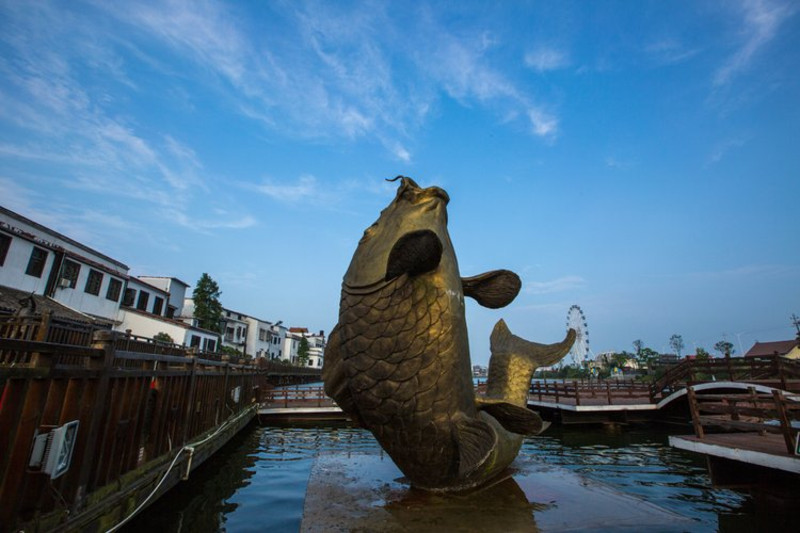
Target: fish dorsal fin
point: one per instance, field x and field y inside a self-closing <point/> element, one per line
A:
<point x="512" y="417"/>
<point x="494" y="289"/>
<point x="475" y="440"/>
<point x="414" y="253"/>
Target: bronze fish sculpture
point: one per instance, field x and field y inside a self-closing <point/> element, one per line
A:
<point x="398" y="360"/>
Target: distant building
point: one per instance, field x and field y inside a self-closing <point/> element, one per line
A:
<point x="145" y="310"/>
<point x="788" y="349"/>
<point x="316" y="346"/>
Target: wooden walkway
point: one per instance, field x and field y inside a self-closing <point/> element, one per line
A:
<point x="748" y="437"/>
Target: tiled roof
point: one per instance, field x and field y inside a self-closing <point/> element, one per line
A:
<point x="761" y="349"/>
<point x="10" y="302"/>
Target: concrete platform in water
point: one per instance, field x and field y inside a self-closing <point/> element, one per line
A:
<point x="367" y="493"/>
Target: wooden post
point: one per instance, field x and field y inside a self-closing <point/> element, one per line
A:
<point x="608" y="392"/>
<point x="101" y="340"/>
<point x="786" y="426"/>
<point x="187" y="419"/>
<point x="695" y="410"/>
<point x="577" y="393"/>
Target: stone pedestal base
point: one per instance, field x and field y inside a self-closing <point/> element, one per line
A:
<point x="368" y="493"/>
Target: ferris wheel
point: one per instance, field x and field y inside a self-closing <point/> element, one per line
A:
<point x="577" y="321"/>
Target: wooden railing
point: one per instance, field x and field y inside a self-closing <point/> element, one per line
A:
<point x="775" y="413"/>
<point x="582" y="391"/>
<point x="297" y="397"/>
<point x="134" y="410"/>
<point x="779" y="371"/>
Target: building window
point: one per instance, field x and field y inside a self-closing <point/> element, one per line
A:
<point x="5" y="244"/>
<point x="194" y="342"/>
<point x="141" y="303"/>
<point x="69" y="274"/>
<point x="262" y="334"/>
<point x="114" y="288"/>
<point x="229" y="334"/>
<point x="36" y="262"/>
<point x="130" y="296"/>
<point x="158" y="304"/>
<point x="210" y="345"/>
<point x="171" y="311"/>
<point x="93" y="282"/>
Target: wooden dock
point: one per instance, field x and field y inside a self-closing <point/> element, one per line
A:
<point x="131" y="418"/>
<point x="748" y="438"/>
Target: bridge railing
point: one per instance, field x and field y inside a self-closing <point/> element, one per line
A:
<point x="587" y="391"/>
<point x="780" y="371"/>
<point x="297" y="397"/>
<point x="134" y="411"/>
<point x="775" y="413"/>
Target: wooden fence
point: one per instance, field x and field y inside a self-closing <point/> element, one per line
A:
<point x="776" y="413"/>
<point x="592" y="392"/>
<point x="135" y="411"/>
<point x="297" y="397"/>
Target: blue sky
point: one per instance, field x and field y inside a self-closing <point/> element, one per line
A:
<point x="639" y="159"/>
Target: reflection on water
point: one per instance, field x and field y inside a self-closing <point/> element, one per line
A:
<point x="258" y="482"/>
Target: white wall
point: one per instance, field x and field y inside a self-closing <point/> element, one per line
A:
<point x="145" y="325"/>
<point x="85" y="302"/>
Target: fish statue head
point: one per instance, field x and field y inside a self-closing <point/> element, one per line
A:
<point x="415" y="222"/>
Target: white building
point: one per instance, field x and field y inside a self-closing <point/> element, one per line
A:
<point x="36" y="259"/>
<point x="148" y="301"/>
<point x="316" y="346"/>
<point x="172" y="286"/>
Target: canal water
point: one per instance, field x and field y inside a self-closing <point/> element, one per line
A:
<point x="258" y="481"/>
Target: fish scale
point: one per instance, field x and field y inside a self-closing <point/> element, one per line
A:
<point x="421" y="346"/>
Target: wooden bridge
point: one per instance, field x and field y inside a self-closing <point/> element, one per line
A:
<point x="749" y="437"/>
<point x="130" y="417"/>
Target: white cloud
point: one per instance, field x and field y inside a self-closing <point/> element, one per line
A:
<point x="762" y="19"/>
<point x="304" y="188"/>
<point x="722" y="148"/>
<point x="566" y="283"/>
<point x="543" y="124"/>
<point x="670" y="52"/>
<point x="545" y="58"/>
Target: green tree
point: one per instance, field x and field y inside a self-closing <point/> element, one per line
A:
<point x="162" y="337"/>
<point x="645" y="357"/>
<point x="207" y="308"/>
<point x="637" y="347"/>
<point x="302" y="352"/>
<point x="620" y="360"/>
<point x="702" y="354"/>
<point x="676" y="342"/>
<point x="725" y="348"/>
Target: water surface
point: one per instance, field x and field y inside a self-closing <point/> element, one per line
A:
<point x="258" y="482"/>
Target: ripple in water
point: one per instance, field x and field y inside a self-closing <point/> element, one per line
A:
<point x="258" y="482"/>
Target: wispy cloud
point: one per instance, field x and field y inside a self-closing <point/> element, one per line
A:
<point x="304" y="188"/>
<point x="747" y="271"/>
<point x="670" y="52"/>
<point x="566" y="283"/>
<point x="723" y="147"/>
<point x="545" y="58"/>
<point x="761" y="22"/>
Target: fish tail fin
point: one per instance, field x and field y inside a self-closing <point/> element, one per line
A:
<point x="514" y="360"/>
<point x="538" y="355"/>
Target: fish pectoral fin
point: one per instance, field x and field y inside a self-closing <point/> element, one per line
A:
<point x="475" y="440"/>
<point x="494" y="289"/>
<point x="414" y="253"/>
<point x="514" y="418"/>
